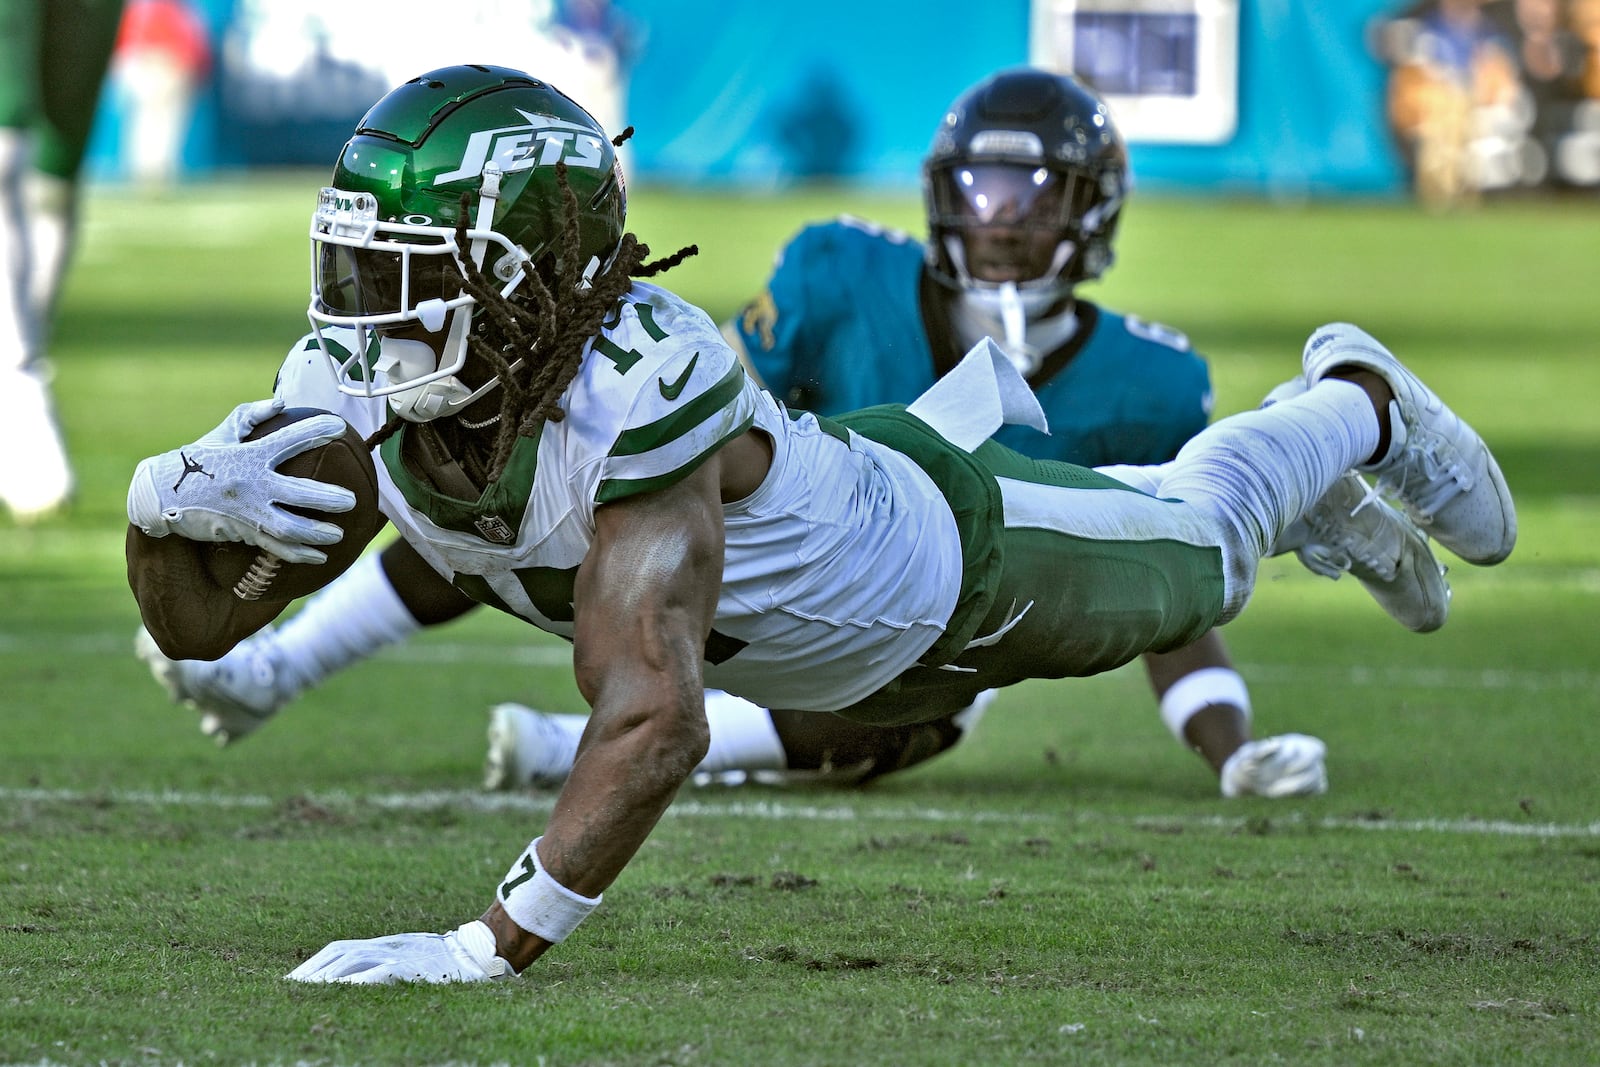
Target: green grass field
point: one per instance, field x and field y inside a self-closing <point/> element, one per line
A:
<point x="1065" y="888"/>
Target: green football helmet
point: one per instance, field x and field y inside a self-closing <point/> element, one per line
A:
<point x="384" y="239"/>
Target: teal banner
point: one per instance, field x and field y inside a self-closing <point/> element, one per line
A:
<point x="1282" y="98"/>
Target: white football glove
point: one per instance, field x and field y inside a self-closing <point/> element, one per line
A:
<point x="465" y="954"/>
<point x="223" y="488"/>
<point x="1288" y="765"/>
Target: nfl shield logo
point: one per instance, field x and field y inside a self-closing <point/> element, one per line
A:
<point x="494" y="528"/>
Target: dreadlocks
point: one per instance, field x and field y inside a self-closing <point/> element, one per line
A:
<point x="535" y="337"/>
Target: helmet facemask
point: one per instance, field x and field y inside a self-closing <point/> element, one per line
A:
<point x="376" y="276"/>
<point x="1016" y="238"/>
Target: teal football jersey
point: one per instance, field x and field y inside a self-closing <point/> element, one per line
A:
<point x="841" y="327"/>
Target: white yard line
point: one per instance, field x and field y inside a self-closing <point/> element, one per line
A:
<point x="774" y="808"/>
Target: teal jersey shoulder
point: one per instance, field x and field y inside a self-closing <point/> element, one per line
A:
<point x="840" y="326"/>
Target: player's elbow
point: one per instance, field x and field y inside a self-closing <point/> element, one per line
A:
<point x="663" y="728"/>
<point x="676" y="741"/>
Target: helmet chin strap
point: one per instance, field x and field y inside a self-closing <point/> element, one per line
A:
<point x="401" y="358"/>
<point x="1012" y="316"/>
<point x="1014" y="321"/>
<point x="1016" y="309"/>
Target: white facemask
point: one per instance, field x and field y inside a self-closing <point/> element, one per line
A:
<point x="1015" y="308"/>
<point x="1011" y="316"/>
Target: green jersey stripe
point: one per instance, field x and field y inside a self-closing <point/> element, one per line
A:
<point x="617" y="488"/>
<point x="653" y="435"/>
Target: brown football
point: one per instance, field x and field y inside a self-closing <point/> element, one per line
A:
<point x="253" y="574"/>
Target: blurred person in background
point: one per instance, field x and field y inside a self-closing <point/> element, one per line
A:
<point x="1490" y="98"/>
<point x="596" y="45"/>
<point x="1024" y="186"/>
<point x="161" y="61"/>
<point x="53" y="59"/>
<point x="1450" y="65"/>
<point x="1584" y="142"/>
<point x="1586" y="24"/>
<point x="1550" y="122"/>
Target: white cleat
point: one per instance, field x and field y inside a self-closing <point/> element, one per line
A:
<point x="530" y="748"/>
<point x="35" y="478"/>
<point x="1289" y="765"/>
<point x="1437" y="466"/>
<point x="235" y="694"/>
<point x="1350" y="529"/>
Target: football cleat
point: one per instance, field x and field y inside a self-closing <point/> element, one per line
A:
<point x="35" y="479"/>
<point x="1289" y="765"/>
<point x="1437" y="466"/>
<point x="1351" y="530"/>
<point x="530" y="748"/>
<point x="235" y="694"/>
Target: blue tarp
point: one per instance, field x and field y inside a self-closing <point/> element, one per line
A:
<point x="763" y="92"/>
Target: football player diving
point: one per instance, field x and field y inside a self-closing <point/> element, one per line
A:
<point x="581" y="449"/>
<point x="1024" y="186"/>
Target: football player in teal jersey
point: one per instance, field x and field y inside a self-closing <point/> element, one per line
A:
<point x="855" y="315"/>
<point x="53" y="59"/>
<point x="580" y="449"/>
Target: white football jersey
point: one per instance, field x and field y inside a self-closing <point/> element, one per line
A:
<point x="838" y="572"/>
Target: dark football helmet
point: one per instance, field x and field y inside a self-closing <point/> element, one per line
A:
<point x="1023" y="186"/>
<point x="385" y="250"/>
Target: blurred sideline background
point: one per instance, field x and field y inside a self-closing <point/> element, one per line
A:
<point x="1453" y="100"/>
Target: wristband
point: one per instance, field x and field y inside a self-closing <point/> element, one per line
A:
<point x="1202" y="689"/>
<point x="540" y="904"/>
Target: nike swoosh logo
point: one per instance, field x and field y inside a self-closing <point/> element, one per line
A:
<point x="671" y="392"/>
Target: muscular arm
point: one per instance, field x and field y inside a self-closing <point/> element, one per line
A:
<point x="645" y="599"/>
<point x="1216" y="730"/>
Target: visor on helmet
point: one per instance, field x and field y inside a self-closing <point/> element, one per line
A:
<point x="370" y="282"/>
<point x="1001" y="194"/>
<point x="370" y="275"/>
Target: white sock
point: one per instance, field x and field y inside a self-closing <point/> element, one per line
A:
<point x="52" y="205"/>
<point x="1258" y="471"/>
<point x="967" y="718"/>
<point x="17" y="328"/>
<point x="351" y="619"/>
<point x="742" y="736"/>
<point x="547" y="745"/>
